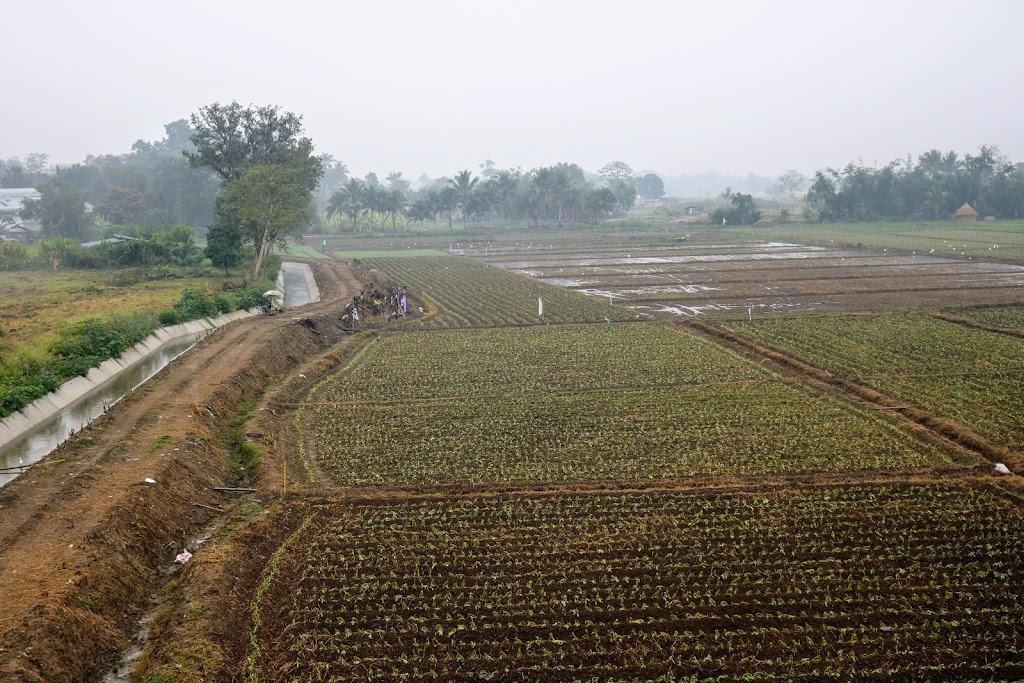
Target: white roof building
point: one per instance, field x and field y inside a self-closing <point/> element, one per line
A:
<point x="11" y="199"/>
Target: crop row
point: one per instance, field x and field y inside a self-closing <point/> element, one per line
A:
<point x="965" y="374"/>
<point x="542" y="358"/>
<point x="625" y="435"/>
<point x="892" y="582"/>
<point x="1011" y="317"/>
<point x="472" y="294"/>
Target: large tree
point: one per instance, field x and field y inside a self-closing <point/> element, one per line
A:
<point x="789" y="183"/>
<point x="123" y="206"/>
<point x="251" y="148"/>
<point x="270" y="202"/>
<point x="229" y="139"/>
<point x="60" y="209"/>
<point x="616" y="170"/>
<point x="650" y="186"/>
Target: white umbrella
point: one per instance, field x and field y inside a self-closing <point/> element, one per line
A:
<point x="273" y="293"/>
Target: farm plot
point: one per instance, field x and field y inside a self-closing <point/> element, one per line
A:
<point x="583" y="403"/>
<point x="543" y="358"/>
<point x="893" y="582"/>
<point x="618" y="435"/>
<point x="1010" y="317"/>
<point x="770" y="277"/>
<point x="472" y="294"/>
<point x="968" y="375"/>
<point x="999" y="239"/>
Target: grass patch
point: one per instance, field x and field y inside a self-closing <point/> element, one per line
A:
<point x="246" y="456"/>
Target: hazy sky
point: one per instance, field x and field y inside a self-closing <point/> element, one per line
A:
<point x="439" y="86"/>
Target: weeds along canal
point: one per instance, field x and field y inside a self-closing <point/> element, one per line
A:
<point x="42" y="438"/>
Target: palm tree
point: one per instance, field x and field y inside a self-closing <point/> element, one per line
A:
<point x="481" y="201"/>
<point x="599" y="203"/>
<point x="422" y="208"/>
<point x="463" y="183"/>
<point x="353" y="199"/>
<point x="335" y="175"/>
<point x="374" y="202"/>
<point x="393" y="202"/>
<point x="540" y="190"/>
<point x="505" y="185"/>
<point x="447" y="202"/>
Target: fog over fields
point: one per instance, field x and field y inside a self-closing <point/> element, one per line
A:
<point x="672" y="87"/>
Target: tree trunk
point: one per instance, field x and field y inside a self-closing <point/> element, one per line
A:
<point x="260" y="257"/>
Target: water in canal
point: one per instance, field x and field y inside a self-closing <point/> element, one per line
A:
<point x="49" y="434"/>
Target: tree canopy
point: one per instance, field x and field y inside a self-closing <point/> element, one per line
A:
<point x="230" y="138"/>
<point x="270" y="201"/>
<point x="650" y="186"/>
<point x="931" y="188"/>
<point x="60" y="209"/>
<point x="269" y="169"/>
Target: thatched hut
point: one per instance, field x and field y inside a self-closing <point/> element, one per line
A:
<point x="966" y="214"/>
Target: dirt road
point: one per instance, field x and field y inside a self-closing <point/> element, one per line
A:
<point x="83" y="537"/>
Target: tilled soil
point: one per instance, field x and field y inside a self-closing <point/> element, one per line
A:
<point x="83" y="537"/>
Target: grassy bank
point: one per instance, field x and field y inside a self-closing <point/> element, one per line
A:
<point x="57" y="325"/>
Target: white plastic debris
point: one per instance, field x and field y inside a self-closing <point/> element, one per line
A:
<point x="183" y="557"/>
<point x="1002" y="469"/>
<point x="149" y="481"/>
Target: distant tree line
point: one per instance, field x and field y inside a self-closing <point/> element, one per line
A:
<point x="551" y="195"/>
<point x="932" y="188"/>
<point x="153" y="185"/>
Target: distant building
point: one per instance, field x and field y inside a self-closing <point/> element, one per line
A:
<point x="692" y="211"/>
<point x="17" y="232"/>
<point x="12" y="226"/>
<point x="113" y="239"/>
<point x="11" y="201"/>
<point x="966" y="214"/>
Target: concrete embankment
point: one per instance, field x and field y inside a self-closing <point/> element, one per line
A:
<point x="297" y="283"/>
<point x="18" y="424"/>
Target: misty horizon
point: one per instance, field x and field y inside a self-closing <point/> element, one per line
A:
<point x="676" y="88"/>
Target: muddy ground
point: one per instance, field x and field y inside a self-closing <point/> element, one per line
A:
<point x="85" y="541"/>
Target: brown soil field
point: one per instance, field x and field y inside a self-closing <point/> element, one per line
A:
<point x="85" y="541"/>
<point x="728" y="279"/>
<point x="87" y="547"/>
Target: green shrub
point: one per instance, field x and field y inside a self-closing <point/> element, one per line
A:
<point x="195" y="304"/>
<point x="225" y="303"/>
<point x="170" y="316"/>
<point x="88" y="343"/>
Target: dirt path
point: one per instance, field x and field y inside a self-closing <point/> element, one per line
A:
<point x="82" y="535"/>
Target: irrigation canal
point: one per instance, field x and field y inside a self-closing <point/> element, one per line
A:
<point x="37" y="443"/>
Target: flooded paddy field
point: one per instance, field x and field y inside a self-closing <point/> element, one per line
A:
<point x="763" y="277"/>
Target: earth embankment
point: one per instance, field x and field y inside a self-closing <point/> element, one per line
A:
<point x="84" y="536"/>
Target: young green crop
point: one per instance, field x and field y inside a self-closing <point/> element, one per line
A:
<point x="961" y="373"/>
<point x="1010" y="317"/>
<point x="545" y="358"/>
<point x="472" y="294"/>
<point x="898" y="581"/>
<point x="622" y="435"/>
